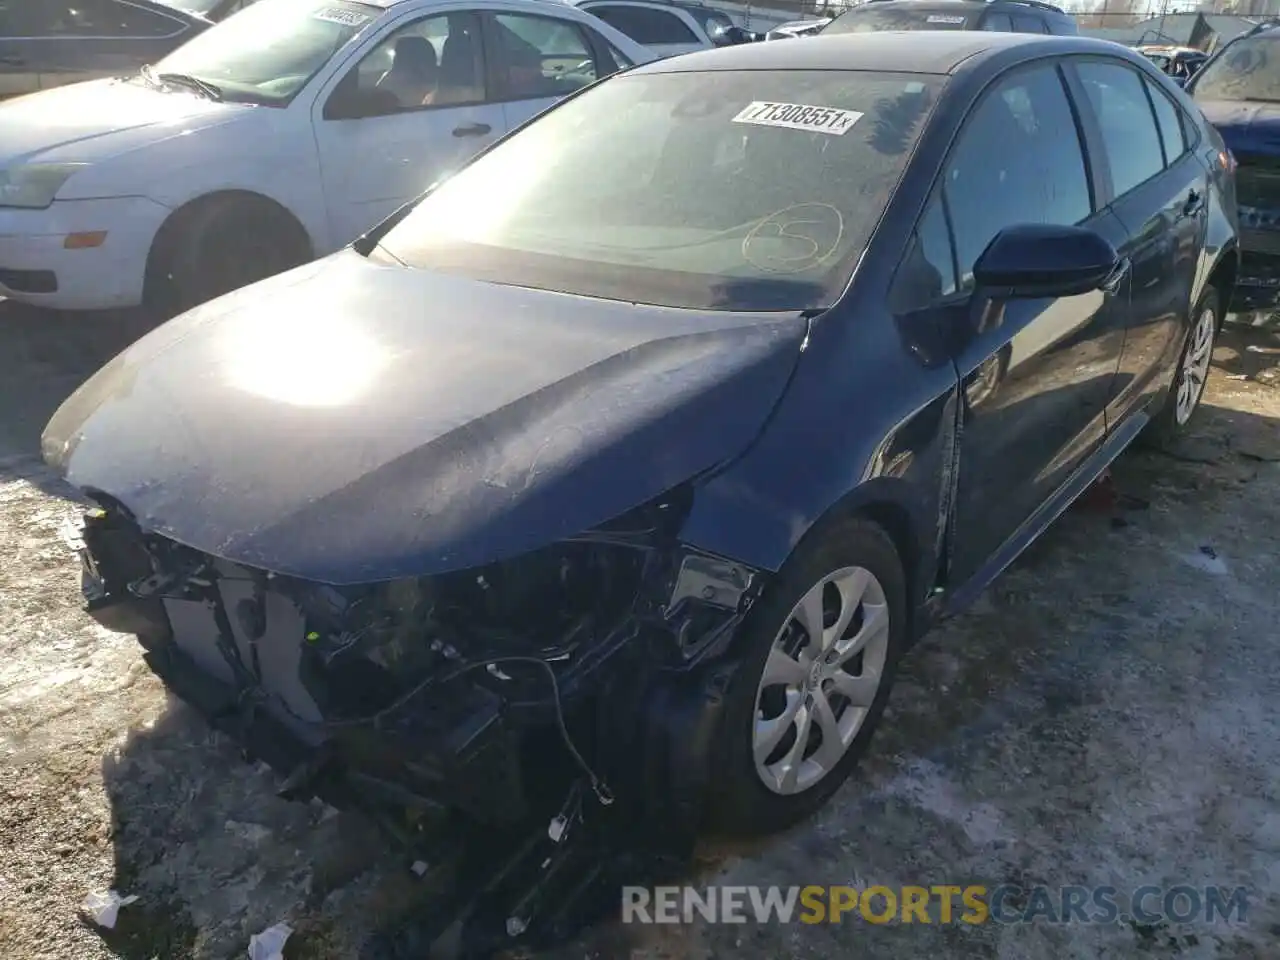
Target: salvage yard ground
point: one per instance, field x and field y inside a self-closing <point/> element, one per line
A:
<point x="1106" y="715"/>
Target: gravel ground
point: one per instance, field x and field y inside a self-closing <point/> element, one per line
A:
<point x="1106" y="715"/>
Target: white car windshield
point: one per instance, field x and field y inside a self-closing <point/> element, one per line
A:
<point x="268" y="51"/>
<point x="732" y="190"/>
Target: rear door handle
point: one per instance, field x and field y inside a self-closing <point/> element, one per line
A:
<point x="472" y="130"/>
<point x="1194" y="204"/>
<point x="12" y="62"/>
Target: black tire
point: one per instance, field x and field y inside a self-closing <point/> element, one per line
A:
<point x="1172" y="420"/>
<point x="220" y="245"/>
<point x="741" y="804"/>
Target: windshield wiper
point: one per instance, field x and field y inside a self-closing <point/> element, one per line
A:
<point x="203" y="87"/>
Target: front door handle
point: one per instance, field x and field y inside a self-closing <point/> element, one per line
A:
<point x="1116" y="277"/>
<point x="472" y="130"/>
<point x="1194" y="204"/>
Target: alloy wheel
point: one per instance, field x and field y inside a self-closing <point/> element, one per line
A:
<point x="820" y="679"/>
<point x="1195" y="366"/>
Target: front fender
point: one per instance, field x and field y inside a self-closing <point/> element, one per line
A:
<point x="865" y="427"/>
<point x="264" y="153"/>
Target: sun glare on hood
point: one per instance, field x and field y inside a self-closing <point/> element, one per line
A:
<point x="306" y="361"/>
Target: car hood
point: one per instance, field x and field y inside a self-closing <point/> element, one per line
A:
<point x="350" y="422"/>
<point x="100" y="119"/>
<point x="1246" y="127"/>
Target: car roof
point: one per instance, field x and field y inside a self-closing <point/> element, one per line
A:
<point x="916" y="51"/>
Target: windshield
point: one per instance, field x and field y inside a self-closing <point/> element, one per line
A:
<point x="863" y="20"/>
<point x="1248" y="69"/>
<point x="268" y="51"/>
<point x="733" y="190"/>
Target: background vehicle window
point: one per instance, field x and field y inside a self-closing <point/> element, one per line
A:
<point x="1248" y="69"/>
<point x="540" y="56"/>
<point x="865" y="18"/>
<point x="1129" y="132"/>
<point x="95" y="18"/>
<point x="620" y="58"/>
<point x="1026" y="23"/>
<point x="428" y="63"/>
<point x="1000" y="22"/>
<point x="928" y="272"/>
<point x="1169" y="118"/>
<point x="1018" y="160"/>
<point x="644" y="25"/>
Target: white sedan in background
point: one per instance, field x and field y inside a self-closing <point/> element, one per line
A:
<point x="277" y="136"/>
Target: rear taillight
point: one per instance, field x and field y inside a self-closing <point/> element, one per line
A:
<point x="1228" y="161"/>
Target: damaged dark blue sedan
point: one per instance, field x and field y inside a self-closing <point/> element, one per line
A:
<point x="633" y="456"/>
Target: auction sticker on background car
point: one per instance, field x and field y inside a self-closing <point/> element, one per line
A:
<point x="799" y="116"/>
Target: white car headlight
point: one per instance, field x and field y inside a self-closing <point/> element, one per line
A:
<point x="34" y="185"/>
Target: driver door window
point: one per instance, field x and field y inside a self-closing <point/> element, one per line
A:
<point x="1019" y="160"/>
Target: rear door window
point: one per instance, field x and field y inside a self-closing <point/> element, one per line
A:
<point x="999" y="22"/>
<point x="1169" y="119"/>
<point x="1027" y="23"/>
<point x="1129" y="133"/>
<point x="540" y="56"/>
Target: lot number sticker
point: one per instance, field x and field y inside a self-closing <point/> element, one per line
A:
<point x="799" y="116"/>
<point x="943" y="18"/>
<point x="348" y="18"/>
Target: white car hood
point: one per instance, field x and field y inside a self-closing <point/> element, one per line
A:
<point x="101" y="119"/>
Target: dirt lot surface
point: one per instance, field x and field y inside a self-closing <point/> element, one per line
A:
<point x="1106" y="715"/>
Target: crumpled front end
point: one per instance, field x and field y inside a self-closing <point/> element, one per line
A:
<point x="484" y="691"/>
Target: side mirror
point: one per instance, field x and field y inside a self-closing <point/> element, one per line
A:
<point x="1030" y="261"/>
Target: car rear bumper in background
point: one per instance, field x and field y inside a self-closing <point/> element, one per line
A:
<point x="53" y="258"/>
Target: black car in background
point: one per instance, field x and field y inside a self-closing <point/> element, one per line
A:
<point x="664" y="427"/>
<point x="1002" y="16"/>
<point x="49" y="43"/>
<point x="1238" y="89"/>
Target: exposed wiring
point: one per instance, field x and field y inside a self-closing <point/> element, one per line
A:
<point x="598" y="786"/>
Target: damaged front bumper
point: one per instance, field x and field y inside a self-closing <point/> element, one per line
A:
<point x="401" y="705"/>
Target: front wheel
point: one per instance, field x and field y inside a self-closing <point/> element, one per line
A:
<point x="820" y="650"/>
<point x="221" y="245"/>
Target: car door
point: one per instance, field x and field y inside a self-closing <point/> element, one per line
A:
<point x="1036" y="374"/>
<point x="1158" y="190"/>
<point x="534" y="60"/>
<point x="664" y="32"/>
<point x="92" y="39"/>
<point x="413" y="107"/>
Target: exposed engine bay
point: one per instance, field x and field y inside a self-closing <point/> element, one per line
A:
<point x="532" y="696"/>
